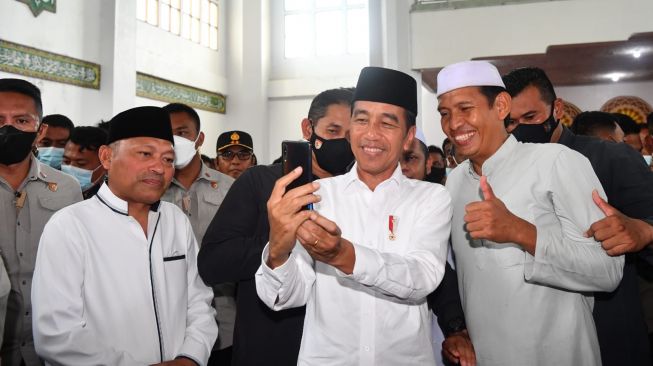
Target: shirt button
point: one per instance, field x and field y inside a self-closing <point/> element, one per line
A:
<point x="18" y="223"/>
<point x="367" y="348"/>
<point x="27" y="313"/>
<point x="22" y="344"/>
<point x="20" y="254"/>
<point x="24" y="282"/>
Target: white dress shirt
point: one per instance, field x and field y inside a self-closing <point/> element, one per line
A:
<point x="377" y="315"/>
<point x="522" y="309"/>
<point x="104" y="293"/>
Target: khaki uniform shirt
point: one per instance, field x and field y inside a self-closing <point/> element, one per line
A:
<point x="200" y="203"/>
<point x="43" y="192"/>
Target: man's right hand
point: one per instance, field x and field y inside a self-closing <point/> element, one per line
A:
<point x="285" y="215"/>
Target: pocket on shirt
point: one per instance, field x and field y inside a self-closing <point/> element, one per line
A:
<point x="175" y="272"/>
<point x="213" y="198"/>
<point x="54" y="203"/>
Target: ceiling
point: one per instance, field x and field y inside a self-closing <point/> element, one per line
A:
<point x="580" y="64"/>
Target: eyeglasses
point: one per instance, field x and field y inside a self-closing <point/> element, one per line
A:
<point x="242" y="155"/>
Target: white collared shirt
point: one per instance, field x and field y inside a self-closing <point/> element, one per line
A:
<point x="104" y="293"/>
<point x="377" y="315"/>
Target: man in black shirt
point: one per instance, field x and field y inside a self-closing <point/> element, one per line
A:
<point x="627" y="182"/>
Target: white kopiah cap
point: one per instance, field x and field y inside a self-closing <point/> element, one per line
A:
<point x="419" y="134"/>
<point x="468" y="73"/>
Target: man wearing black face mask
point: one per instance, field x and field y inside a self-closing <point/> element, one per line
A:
<point x="232" y="246"/>
<point x="627" y="183"/>
<point x="30" y="192"/>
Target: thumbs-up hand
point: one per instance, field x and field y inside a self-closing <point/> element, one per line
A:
<point x="490" y="219"/>
<point x="617" y="232"/>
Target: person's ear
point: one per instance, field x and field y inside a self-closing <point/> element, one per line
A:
<point x="502" y="103"/>
<point x="307" y="129"/>
<point x="200" y="140"/>
<point x="558" y="108"/>
<point x="410" y="136"/>
<point x="105" y="153"/>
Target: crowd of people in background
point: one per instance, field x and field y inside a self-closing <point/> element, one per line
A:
<point x="517" y="241"/>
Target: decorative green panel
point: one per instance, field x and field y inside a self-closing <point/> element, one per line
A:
<point x="28" y="61"/>
<point x="152" y="87"/>
<point x="37" y="6"/>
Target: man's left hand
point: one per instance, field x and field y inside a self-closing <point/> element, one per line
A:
<point x="617" y="232"/>
<point x="322" y="240"/>
<point x="490" y="219"/>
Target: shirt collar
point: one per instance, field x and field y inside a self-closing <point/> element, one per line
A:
<point x="495" y="161"/>
<point x="352" y="176"/>
<point x="116" y="204"/>
<point x="35" y="172"/>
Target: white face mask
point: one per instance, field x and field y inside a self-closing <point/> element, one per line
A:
<point x="184" y="151"/>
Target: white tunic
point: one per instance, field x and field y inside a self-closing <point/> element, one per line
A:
<point x="533" y="310"/>
<point x="105" y="294"/>
<point x="378" y="315"/>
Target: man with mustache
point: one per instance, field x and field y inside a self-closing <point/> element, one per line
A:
<point x="30" y="193"/>
<point x="116" y="278"/>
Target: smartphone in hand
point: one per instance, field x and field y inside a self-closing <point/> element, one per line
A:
<point x="294" y="154"/>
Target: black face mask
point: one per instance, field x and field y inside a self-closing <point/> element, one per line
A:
<point x="14" y="144"/>
<point x="333" y="155"/>
<point x="436" y="175"/>
<point x="539" y="134"/>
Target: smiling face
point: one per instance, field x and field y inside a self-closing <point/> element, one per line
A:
<point x="475" y="128"/>
<point x="140" y="169"/>
<point x="378" y="136"/>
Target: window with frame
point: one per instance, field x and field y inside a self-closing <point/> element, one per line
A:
<point x="195" y="20"/>
<point x="316" y="28"/>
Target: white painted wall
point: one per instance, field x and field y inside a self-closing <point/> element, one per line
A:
<point x="448" y="36"/>
<point x="79" y="36"/>
<point x="107" y="32"/>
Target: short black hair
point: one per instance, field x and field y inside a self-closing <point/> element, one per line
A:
<point x="627" y="124"/>
<point x="591" y="123"/>
<point x="490" y="93"/>
<point x="435" y="149"/>
<point x="327" y="98"/>
<point x="26" y="88"/>
<point x="58" y="120"/>
<point x="88" y="137"/>
<point x="179" y="108"/>
<point x="519" y="79"/>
